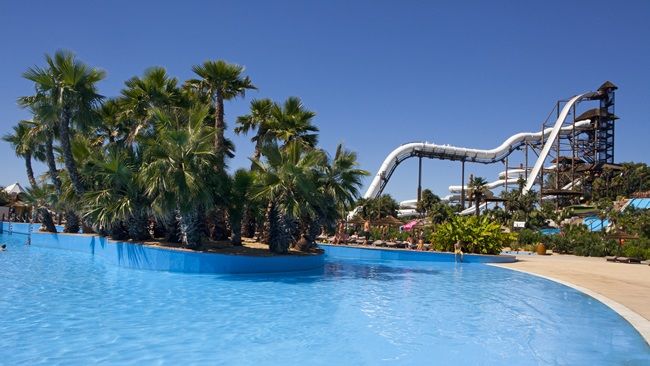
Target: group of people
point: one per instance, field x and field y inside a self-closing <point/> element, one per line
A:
<point x="341" y="236"/>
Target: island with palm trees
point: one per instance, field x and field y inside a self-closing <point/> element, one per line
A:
<point x="150" y="165"/>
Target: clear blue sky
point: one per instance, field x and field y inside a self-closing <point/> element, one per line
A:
<point x="378" y="73"/>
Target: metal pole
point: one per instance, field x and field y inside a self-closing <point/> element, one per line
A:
<point x="462" y="186"/>
<point x="541" y="172"/>
<point x="419" y="178"/>
<point x="573" y="151"/>
<point x="506" y="174"/>
<point x="526" y="168"/>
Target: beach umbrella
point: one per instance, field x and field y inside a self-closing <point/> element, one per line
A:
<point x="390" y="221"/>
<point x="14" y="189"/>
<point x="410" y="225"/>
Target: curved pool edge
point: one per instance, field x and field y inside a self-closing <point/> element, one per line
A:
<point x="374" y="253"/>
<point x="145" y="257"/>
<point x="638" y="322"/>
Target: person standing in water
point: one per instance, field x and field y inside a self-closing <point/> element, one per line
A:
<point x="458" y="251"/>
<point x="366" y="231"/>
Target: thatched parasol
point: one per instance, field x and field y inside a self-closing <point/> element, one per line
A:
<point x="357" y="220"/>
<point x="389" y="221"/>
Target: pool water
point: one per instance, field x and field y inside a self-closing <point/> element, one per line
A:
<point x="62" y="307"/>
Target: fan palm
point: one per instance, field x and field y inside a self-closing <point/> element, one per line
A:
<point x="220" y="81"/>
<point x="143" y="95"/>
<point x="477" y="190"/>
<point x="23" y="143"/>
<point x="260" y="119"/>
<point x="42" y="197"/>
<point x="45" y="129"/>
<point x="177" y="169"/>
<point x="293" y="122"/>
<point x="116" y="199"/>
<point x="286" y="181"/>
<point x="70" y="85"/>
<point x="240" y="187"/>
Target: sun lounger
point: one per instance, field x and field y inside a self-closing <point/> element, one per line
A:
<point x="627" y="260"/>
<point x="611" y="259"/>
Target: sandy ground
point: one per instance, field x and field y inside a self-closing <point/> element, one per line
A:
<point x="627" y="284"/>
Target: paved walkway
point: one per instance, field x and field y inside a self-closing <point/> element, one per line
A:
<point x="627" y="284"/>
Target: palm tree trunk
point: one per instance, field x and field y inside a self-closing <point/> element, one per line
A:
<point x="220" y="127"/>
<point x="118" y="231"/>
<point x="70" y="165"/>
<point x="71" y="222"/>
<point x="138" y="226"/>
<point x="30" y="171"/>
<point x="476" y="204"/>
<point x="235" y="238"/>
<point x="51" y="163"/>
<point x="257" y="153"/>
<point x="248" y="223"/>
<point x="172" y="231"/>
<point x="190" y="229"/>
<point x="269" y="222"/>
<point x="46" y="220"/>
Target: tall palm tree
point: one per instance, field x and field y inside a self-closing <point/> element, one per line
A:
<point x="44" y="121"/>
<point x="220" y="81"/>
<point x="178" y="168"/>
<point x="70" y="85"/>
<point x="260" y="119"/>
<point x="293" y="122"/>
<point x="477" y="190"/>
<point x="22" y="141"/>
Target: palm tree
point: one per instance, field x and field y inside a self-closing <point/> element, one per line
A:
<point x="239" y="190"/>
<point x="260" y="118"/>
<point x="117" y="201"/>
<point x="45" y="129"/>
<point x="293" y="122"/>
<point x="286" y="180"/>
<point x="22" y="141"/>
<point x="156" y="89"/>
<point x="477" y="190"/>
<point x="42" y="197"/>
<point x="70" y="85"/>
<point x="178" y="168"/>
<point x="220" y="81"/>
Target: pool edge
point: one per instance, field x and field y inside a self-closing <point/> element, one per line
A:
<point x="638" y="322"/>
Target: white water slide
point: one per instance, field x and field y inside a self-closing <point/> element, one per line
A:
<point x="448" y="152"/>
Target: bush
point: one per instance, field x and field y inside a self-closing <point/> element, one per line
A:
<point x="637" y="249"/>
<point x="477" y="235"/>
<point x="578" y="240"/>
<point x="528" y="237"/>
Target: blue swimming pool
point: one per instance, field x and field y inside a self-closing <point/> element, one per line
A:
<point x="63" y="307"/>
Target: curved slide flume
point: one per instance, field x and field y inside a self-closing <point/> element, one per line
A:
<point x="449" y="152"/>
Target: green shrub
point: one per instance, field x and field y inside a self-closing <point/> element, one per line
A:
<point x="477" y="235"/>
<point x="637" y="248"/>
<point x="578" y="240"/>
<point x="528" y="237"/>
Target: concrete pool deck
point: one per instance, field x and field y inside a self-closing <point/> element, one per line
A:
<point x="623" y="287"/>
